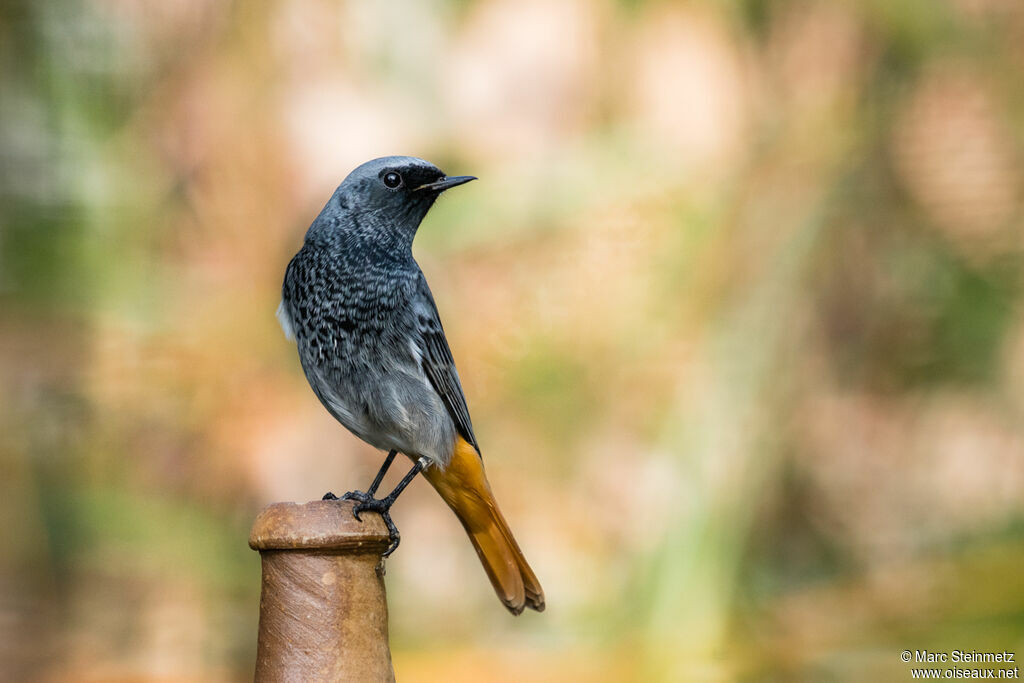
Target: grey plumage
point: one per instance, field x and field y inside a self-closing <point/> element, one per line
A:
<point x="372" y="346"/>
<point x="367" y="329"/>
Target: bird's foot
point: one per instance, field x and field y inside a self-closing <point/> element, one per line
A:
<point x="382" y="506"/>
<point x="330" y="496"/>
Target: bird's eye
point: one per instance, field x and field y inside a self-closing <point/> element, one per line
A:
<point x="392" y="179"/>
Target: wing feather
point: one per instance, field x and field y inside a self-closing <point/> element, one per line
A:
<point x="438" y="364"/>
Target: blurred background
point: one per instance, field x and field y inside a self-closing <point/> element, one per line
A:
<point x="737" y="305"/>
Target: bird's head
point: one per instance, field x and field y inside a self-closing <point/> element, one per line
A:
<point x="392" y="194"/>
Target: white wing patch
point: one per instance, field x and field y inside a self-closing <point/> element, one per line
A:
<point x="285" y="319"/>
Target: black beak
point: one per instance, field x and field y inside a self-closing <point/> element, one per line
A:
<point x="446" y="183"/>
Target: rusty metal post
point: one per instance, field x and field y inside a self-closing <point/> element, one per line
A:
<point x="323" y="611"/>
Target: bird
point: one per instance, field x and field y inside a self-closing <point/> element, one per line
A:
<point x="371" y="344"/>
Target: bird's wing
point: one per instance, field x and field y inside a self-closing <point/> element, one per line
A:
<point x="438" y="364"/>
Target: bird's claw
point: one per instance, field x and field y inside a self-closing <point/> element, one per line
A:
<point x="364" y="501"/>
<point x="382" y="506"/>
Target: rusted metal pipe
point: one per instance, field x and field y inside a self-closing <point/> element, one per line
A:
<point x="323" y="610"/>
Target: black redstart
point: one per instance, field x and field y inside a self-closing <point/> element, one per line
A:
<point x="372" y="347"/>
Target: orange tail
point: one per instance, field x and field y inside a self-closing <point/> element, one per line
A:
<point x="464" y="487"/>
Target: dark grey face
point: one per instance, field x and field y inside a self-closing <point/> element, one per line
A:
<point x="397" y="191"/>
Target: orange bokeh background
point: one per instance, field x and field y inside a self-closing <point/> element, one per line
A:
<point x="736" y="303"/>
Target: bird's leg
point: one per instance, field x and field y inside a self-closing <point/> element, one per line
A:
<point x="380" y="474"/>
<point x="376" y="482"/>
<point x="406" y="480"/>
<point x="382" y="506"/>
